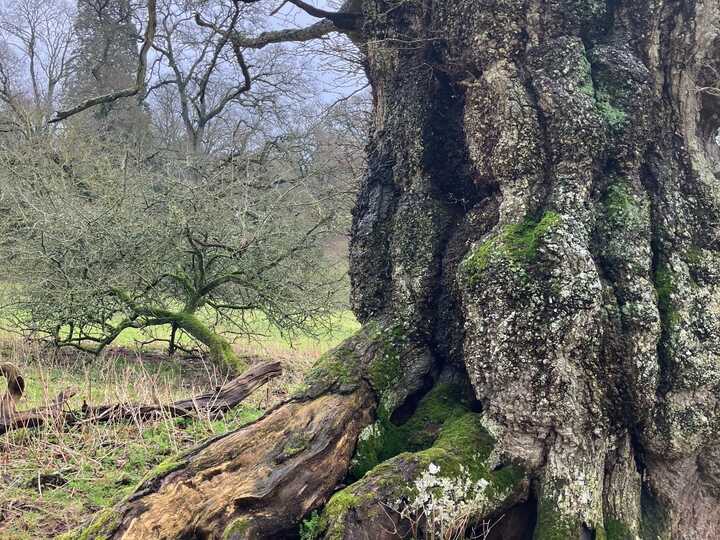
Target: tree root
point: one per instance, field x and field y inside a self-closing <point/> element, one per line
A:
<point x="446" y="489"/>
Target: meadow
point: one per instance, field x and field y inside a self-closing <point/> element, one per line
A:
<point x="52" y="478"/>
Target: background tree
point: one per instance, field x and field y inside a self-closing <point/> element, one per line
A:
<point x="99" y="244"/>
<point x="106" y="60"/>
<point x="197" y="66"/>
<point x="37" y="43"/>
<point x="538" y="230"/>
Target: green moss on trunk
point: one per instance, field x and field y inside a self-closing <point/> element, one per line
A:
<point x="553" y="524"/>
<point x="518" y="243"/>
<point x="221" y="351"/>
<point x="385" y="439"/>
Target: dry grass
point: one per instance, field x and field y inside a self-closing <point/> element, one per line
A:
<point x="51" y="479"/>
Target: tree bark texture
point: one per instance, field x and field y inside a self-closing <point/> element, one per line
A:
<point x="539" y="231"/>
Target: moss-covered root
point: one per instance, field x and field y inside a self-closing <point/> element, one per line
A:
<point x="453" y="480"/>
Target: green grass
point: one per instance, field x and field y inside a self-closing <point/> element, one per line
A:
<point x="89" y="469"/>
<point x="51" y="480"/>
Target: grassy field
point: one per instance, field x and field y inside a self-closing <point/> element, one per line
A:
<point x="52" y="480"/>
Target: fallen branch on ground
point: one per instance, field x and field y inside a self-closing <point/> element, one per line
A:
<point x="209" y="404"/>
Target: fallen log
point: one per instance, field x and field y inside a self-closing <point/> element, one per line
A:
<point x="209" y="404"/>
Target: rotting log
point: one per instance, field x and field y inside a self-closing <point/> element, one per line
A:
<point x="261" y="480"/>
<point x="210" y="404"/>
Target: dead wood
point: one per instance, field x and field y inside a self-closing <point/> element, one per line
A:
<point x="209" y="404"/>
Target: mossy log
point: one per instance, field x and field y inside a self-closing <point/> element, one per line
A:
<point x="257" y="482"/>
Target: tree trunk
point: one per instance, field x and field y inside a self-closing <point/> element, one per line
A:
<point x="534" y="258"/>
<point x="220" y="350"/>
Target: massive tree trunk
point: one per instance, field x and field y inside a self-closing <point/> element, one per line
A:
<point x="534" y="258"/>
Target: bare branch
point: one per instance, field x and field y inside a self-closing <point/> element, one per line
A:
<point x="300" y="35"/>
<point x="344" y="20"/>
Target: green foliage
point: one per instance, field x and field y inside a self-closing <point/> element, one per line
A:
<point x="519" y="243"/>
<point x="694" y="256"/>
<point x="311" y="528"/>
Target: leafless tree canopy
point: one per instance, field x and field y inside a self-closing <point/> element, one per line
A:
<point x="169" y="163"/>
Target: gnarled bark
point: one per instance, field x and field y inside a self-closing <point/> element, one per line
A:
<point x="540" y="214"/>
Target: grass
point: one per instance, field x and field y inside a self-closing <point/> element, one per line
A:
<point x="52" y="480"/>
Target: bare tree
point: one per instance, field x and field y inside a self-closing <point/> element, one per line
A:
<point x="98" y="243"/>
<point x="39" y="42"/>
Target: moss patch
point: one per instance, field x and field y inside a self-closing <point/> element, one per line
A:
<point x="613" y="116"/>
<point x="620" y="207"/>
<point x="385" y="370"/>
<point x="338" y="366"/>
<point x="296" y="443"/>
<point x="386" y="439"/>
<point x="101" y="527"/>
<point x="342" y="367"/>
<point x="519" y="243"/>
<point x="552" y="524"/>
<point x="329" y="524"/>
<point x="459" y="454"/>
<point x="163" y="469"/>
<point x="617" y="530"/>
<point x="236" y="530"/>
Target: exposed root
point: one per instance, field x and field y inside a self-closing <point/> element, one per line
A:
<point x="454" y="483"/>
